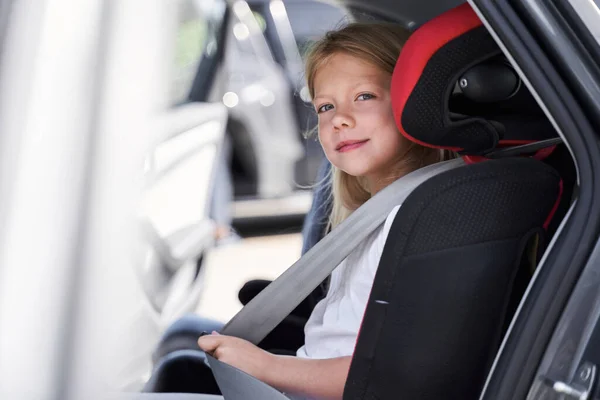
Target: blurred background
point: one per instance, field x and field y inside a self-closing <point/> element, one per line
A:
<point x="218" y="215"/>
<point x="155" y="156"/>
<point x="260" y="186"/>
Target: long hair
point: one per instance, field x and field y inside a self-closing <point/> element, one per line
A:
<point x="378" y="44"/>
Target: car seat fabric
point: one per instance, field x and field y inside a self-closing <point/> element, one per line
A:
<point x="428" y="63"/>
<point x="442" y="291"/>
<point x="454" y="266"/>
<point x="429" y="66"/>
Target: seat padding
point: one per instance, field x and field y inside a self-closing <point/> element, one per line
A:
<point x="441" y="295"/>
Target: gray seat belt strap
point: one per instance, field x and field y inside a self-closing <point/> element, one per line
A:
<point x="238" y="385"/>
<point x="263" y="313"/>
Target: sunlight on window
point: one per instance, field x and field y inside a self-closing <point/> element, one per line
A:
<point x="260" y="20"/>
<point x="191" y="41"/>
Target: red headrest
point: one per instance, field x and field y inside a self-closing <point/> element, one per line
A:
<point x="430" y="64"/>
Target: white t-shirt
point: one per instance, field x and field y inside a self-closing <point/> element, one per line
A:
<point x="332" y="329"/>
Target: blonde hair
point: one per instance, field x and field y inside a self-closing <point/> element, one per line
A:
<point x="378" y="44"/>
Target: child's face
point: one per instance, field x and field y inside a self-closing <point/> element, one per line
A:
<point x="356" y="123"/>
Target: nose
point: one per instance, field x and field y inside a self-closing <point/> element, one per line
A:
<point x="342" y="119"/>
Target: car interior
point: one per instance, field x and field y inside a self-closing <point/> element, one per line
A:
<point x="465" y="244"/>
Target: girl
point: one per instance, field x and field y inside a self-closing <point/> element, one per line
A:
<point x="348" y="74"/>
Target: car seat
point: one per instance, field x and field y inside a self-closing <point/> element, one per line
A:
<point x="462" y="247"/>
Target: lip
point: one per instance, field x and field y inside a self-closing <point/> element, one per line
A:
<point x="348" y="145"/>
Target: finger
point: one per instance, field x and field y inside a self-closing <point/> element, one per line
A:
<point x="218" y="353"/>
<point x="209" y="343"/>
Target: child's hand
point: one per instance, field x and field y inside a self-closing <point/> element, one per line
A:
<point x="238" y="353"/>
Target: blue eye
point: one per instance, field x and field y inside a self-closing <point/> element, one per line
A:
<point x="324" y="107"/>
<point x="365" y="96"/>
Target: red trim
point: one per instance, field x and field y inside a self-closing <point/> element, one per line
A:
<point x="469" y="160"/>
<point x="544" y="153"/>
<point x="539" y="155"/>
<point x="417" y="52"/>
<point x="553" y="211"/>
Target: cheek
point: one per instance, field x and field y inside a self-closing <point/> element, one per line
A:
<point x="400" y="143"/>
<point x="377" y="117"/>
<point x="391" y="143"/>
<point x="327" y="145"/>
<point x="324" y="132"/>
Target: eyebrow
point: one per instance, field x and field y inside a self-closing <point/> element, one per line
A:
<point x="371" y="81"/>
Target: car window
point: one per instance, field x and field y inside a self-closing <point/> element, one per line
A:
<point x="260" y="20"/>
<point x="291" y="27"/>
<point x="248" y="28"/>
<point x="323" y="17"/>
<point x="198" y="26"/>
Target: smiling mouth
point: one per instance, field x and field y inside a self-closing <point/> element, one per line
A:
<point x="350" y="145"/>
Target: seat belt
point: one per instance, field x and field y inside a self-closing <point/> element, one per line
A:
<point x="235" y="384"/>
<point x="274" y="303"/>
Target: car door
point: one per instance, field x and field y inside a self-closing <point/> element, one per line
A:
<point x="181" y="164"/>
<point x="106" y="171"/>
<point x="176" y="218"/>
<point x="551" y="348"/>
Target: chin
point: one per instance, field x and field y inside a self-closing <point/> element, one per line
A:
<point x="358" y="172"/>
<point x="356" y="166"/>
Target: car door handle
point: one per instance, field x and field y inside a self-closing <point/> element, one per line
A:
<point x="580" y="388"/>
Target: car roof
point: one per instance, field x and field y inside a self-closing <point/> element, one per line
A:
<point x="410" y="13"/>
